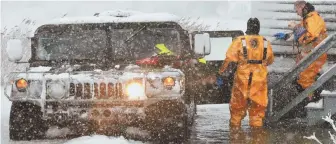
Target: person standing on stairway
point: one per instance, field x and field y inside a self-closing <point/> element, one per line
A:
<point x="310" y="32"/>
<point x="251" y="54"/>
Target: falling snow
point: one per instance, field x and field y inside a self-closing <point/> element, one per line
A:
<point x="82" y="55"/>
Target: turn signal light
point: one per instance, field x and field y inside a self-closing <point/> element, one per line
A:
<point x="169" y="82"/>
<point x="21" y="84"/>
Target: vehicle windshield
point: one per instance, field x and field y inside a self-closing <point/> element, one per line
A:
<point x="75" y="44"/>
<point x="128" y="44"/>
<point x="139" y="44"/>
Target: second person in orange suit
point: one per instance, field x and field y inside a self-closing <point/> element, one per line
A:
<point x="310" y="32"/>
<point x="315" y="33"/>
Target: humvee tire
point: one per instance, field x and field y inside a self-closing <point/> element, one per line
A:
<point x="173" y="133"/>
<point x="25" y="122"/>
<point x="168" y="125"/>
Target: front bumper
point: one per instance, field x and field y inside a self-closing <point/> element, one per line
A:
<point x="111" y="118"/>
<point x="73" y="108"/>
<point x="95" y="89"/>
<point x="102" y="98"/>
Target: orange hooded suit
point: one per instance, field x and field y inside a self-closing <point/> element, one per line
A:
<point x="252" y="54"/>
<point x="315" y="34"/>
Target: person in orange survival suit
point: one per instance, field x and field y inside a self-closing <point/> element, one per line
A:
<point x="308" y="34"/>
<point x="251" y="54"/>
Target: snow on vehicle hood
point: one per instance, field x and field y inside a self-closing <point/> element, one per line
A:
<point x="39" y="69"/>
<point x="135" y="71"/>
<point x="131" y="71"/>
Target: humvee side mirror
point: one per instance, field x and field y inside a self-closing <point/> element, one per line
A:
<point x="202" y="44"/>
<point x="14" y="50"/>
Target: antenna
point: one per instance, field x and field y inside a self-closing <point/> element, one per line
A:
<point x="96" y="14"/>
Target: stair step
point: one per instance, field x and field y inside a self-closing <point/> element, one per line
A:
<point x="319" y="104"/>
<point x="328" y="93"/>
<point x="328" y="104"/>
<point x="315" y="105"/>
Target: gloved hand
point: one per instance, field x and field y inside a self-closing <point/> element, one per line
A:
<point x="219" y="79"/>
<point x="298" y="32"/>
<point x="282" y="36"/>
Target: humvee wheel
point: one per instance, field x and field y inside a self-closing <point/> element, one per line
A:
<point x="184" y="132"/>
<point x="174" y="133"/>
<point x="25" y="122"/>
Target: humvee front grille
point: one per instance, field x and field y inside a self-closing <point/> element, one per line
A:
<point x="96" y="90"/>
<point x="87" y="91"/>
<point x="79" y="90"/>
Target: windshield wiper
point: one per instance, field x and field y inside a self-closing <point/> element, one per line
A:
<point x="128" y="39"/>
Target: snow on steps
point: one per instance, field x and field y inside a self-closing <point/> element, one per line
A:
<point x="315" y="111"/>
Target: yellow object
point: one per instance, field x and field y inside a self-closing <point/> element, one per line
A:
<point x="163" y="49"/>
<point x="253" y="54"/>
<point x="202" y="60"/>
<point x="21" y="84"/>
<point x="168" y="82"/>
<point x="316" y="33"/>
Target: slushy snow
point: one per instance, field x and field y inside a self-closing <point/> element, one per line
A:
<point x="100" y="139"/>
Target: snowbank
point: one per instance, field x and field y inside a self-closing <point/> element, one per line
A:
<point x="5" y="109"/>
<point x="100" y="139"/>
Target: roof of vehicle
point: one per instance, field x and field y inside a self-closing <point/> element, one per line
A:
<point x="115" y="16"/>
<point x="118" y="16"/>
<point x="128" y="16"/>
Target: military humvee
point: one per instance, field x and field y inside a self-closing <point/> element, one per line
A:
<point x="83" y="75"/>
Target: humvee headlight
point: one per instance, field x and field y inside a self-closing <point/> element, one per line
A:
<point x="168" y="82"/>
<point x="35" y="88"/>
<point x="135" y="91"/>
<point x="56" y="90"/>
<point x="21" y="85"/>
